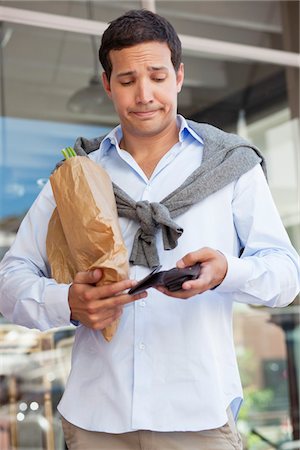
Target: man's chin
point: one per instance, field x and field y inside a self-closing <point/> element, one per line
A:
<point x="141" y="124"/>
<point x="151" y="126"/>
<point x="149" y="130"/>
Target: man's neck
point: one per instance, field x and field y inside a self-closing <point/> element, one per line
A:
<point x="149" y="150"/>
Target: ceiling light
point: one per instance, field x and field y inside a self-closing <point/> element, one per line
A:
<point x="88" y="99"/>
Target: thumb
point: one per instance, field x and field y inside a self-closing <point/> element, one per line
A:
<point x="88" y="277"/>
<point x="192" y="258"/>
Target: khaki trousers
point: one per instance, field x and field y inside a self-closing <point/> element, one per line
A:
<point x="223" y="438"/>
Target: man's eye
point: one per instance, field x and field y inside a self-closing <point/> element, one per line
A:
<point x="159" y="80"/>
<point x="126" y="83"/>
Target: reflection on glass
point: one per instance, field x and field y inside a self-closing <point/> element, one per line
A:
<point x="262" y="357"/>
<point x="34" y="368"/>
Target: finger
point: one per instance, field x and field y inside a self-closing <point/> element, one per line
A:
<point x="124" y="299"/>
<point x="189" y="259"/>
<point x="103" y="323"/>
<point x="197" y="256"/>
<point x="109" y="321"/>
<point x="100" y="308"/>
<point x="200" y="285"/>
<point x="178" y="294"/>
<point x="112" y="304"/>
<point x="205" y="281"/>
<point x="190" y="288"/>
<point x="88" y="277"/>
<point x="102" y="297"/>
<point x="106" y="314"/>
<point x="110" y="290"/>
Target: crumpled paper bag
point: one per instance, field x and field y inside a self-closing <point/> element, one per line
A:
<point x="84" y="231"/>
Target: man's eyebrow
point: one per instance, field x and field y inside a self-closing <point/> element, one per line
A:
<point x="126" y="74"/>
<point x="150" y="69"/>
<point x="158" y="68"/>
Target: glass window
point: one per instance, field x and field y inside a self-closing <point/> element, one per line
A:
<point x="36" y="124"/>
<point x="248" y="22"/>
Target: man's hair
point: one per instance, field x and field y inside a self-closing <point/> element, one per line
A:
<point x="135" y="27"/>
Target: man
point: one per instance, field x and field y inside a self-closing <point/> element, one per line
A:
<point x="169" y="377"/>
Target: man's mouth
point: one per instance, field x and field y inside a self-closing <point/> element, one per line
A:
<point x="145" y="114"/>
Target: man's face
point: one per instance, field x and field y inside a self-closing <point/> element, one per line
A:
<point x="144" y="88"/>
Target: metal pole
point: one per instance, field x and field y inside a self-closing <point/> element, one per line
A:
<point x="288" y="322"/>
<point x="149" y="4"/>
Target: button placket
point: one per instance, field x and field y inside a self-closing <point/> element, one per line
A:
<point x="140" y="365"/>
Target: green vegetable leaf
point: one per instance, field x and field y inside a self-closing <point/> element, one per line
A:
<point x="68" y="152"/>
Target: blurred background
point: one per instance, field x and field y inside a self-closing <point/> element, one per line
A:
<point x="242" y="75"/>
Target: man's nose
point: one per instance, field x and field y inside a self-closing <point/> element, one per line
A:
<point x="144" y="92"/>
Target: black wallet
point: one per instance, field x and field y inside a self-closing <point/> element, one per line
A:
<point x="171" y="279"/>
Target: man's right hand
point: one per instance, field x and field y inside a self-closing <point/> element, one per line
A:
<point x="97" y="307"/>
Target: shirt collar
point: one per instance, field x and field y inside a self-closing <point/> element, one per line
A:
<point x="114" y="137"/>
<point x="185" y="130"/>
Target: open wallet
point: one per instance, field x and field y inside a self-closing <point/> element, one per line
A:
<point x="171" y="279"/>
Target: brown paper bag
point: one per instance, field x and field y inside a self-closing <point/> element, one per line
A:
<point x="84" y="231"/>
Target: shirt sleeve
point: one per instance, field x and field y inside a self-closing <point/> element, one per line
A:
<point x="29" y="296"/>
<point x="267" y="272"/>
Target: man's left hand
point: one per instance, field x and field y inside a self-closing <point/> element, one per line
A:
<point x="212" y="273"/>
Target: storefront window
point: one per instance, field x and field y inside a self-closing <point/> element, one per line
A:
<point x="247" y="22"/>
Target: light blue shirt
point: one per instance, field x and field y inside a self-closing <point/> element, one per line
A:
<point x="171" y="365"/>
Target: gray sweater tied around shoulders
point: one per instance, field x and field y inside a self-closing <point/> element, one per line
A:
<point x="225" y="158"/>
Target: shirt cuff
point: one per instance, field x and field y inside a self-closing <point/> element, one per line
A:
<point x="57" y="305"/>
<point x="239" y="272"/>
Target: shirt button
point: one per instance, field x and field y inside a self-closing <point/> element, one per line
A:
<point x="142" y="346"/>
<point x="142" y="304"/>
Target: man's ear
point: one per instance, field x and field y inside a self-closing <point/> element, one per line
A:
<point x="180" y="77"/>
<point x="106" y="84"/>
